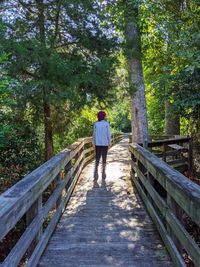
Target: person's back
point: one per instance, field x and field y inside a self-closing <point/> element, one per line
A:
<point x="101" y="133"/>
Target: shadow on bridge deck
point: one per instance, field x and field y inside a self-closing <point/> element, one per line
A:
<point x="105" y="223"/>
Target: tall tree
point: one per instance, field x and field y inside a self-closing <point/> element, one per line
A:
<point x="59" y="49"/>
<point x="134" y="62"/>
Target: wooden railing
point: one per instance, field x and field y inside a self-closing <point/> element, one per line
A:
<point x="169" y="198"/>
<point x="176" y="151"/>
<point x="158" y="137"/>
<point x="29" y="200"/>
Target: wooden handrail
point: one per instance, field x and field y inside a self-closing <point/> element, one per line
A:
<point x="169" y="141"/>
<point x="19" y="198"/>
<point x="177" y="195"/>
<point x="181" y="159"/>
<point x="26" y="198"/>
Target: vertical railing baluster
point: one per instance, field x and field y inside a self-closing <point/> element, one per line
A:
<point x="179" y="214"/>
<point x="30" y="215"/>
<point x="164" y="148"/>
<point x="58" y="179"/>
<point x="190" y="156"/>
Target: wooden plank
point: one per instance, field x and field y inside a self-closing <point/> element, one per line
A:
<point x="168" y="153"/>
<point x="177" y="162"/>
<point x="161" y="137"/>
<point x="178" y="148"/>
<point x="90" y="149"/>
<point x="168" y="141"/>
<point x="87" y="140"/>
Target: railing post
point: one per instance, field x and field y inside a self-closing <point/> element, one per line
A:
<point x="30" y="215"/>
<point x="130" y="138"/>
<point x="67" y="170"/>
<point x="179" y="214"/>
<point x="145" y="144"/>
<point x="58" y="179"/>
<point x="136" y="162"/>
<point x="82" y="150"/>
<point x="144" y="171"/>
<point x="151" y="181"/>
<point x="164" y="152"/>
<point x="113" y="139"/>
<point x="78" y="155"/>
<point x="190" y="156"/>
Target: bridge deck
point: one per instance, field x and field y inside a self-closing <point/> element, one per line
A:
<point x="105" y="223"/>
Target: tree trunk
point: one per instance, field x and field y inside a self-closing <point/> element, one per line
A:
<point x="134" y="60"/>
<point x="48" y="131"/>
<point x="172" y="120"/>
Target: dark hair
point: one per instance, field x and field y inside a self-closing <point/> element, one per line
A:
<point x="101" y="115"/>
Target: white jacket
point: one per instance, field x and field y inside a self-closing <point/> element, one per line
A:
<point x="101" y="133"/>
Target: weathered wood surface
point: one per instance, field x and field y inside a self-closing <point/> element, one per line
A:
<point x="180" y="195"/>
<point x="105" y="223"/>
<point x="178" y="147"/>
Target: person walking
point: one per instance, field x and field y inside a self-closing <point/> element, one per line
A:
<point x="101" y="141"/>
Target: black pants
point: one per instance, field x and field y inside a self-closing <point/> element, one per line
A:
<point x="101" y="151"/>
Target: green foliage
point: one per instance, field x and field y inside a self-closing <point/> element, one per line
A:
<point x="20" y="152"/>
<point x="19" y="146"/>
<point x="81" y="125"/>
<point x="155" y="113"/>
<point x="171" y="58"/>
<point x="62" y="59"/>
<point x="187" y="94"/>
<point x="120" y="118"/>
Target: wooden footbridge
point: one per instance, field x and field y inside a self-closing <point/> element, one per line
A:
<point x="105" y="222"/>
